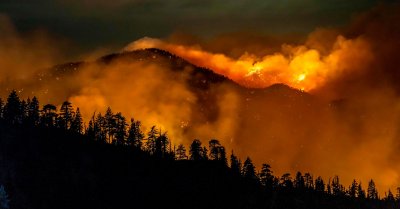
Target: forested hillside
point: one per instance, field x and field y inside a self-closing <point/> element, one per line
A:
<point x="50" y="158"/>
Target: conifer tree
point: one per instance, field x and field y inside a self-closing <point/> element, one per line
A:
<point x="77" y="122"/>
<point x="33" y="111"/>
<point x="181" y="153"/>
<point x="49" y="115"/>
<point x="109" y="124"/>
<point x="266" y="176"/>
<point x="151" y="140"/>
<point x="12" y="111"/>
<point x="135" y="134"/>
<point x="249" y="170"/>
<point x="196" y="151"/>
<point x="353" y="189"/>
<point x="360" y="191"/>
<point x="372" y="193"/>
<point x="319" y="184"/>
<point x="120" y="129"/>
<point x="236" y="165"/>
<point x="66" y="115"/>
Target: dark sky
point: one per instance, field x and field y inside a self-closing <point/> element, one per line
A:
<point x="93" y="23"/>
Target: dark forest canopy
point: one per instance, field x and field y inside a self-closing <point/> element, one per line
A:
<point x="50" y="159"/>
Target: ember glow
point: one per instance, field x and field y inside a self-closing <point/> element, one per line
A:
<point x="300" y="67"/>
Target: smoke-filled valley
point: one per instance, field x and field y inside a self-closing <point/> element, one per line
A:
<point x="329" y="106"/>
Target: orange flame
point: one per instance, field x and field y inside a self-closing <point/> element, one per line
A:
<point x="300" y="67"/>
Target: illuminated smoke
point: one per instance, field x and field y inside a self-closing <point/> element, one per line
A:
<point x="300" y="67"/>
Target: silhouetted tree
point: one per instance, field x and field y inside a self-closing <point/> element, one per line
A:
<point x="90" y="133"/>
<point x="236" y="165"/>
<point x="161" y="143"/>
<point x="120" y="129"/>
<point x="24" y="110"/>
<point x="214" y="145"/>
<point x="49" y="115"/>
<point x="12" y="110"/>
<point x="286" y="180"/>
<point x="109" y="124"/>
<point x="299" y="181"/>
<point x="33" y="111"/>
<point x="266" y="176"/>
<point x="372" y="193"/>
<point x="203" y="153"/>
<point x="308" y="181"/>
<point x="353" y="189"/>
<point x="181" y="153"/>
<point x="77" y="122"/>
<point x="196" y="151"/>
<point x="135" y="134"/>
<point x="249" y="170"/>
<point x="66" y="115"/>
<point x="360" y="191"/>
<point x="99" y="128"/>
<point x="337" y="188"/>
<point x="151" y="140"/>
<point x="319" y="184"/>
<point x="390" y="197"/>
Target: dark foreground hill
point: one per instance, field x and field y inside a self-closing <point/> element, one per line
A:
<point x="48" y="168"/>
<point x="44" y="167"/>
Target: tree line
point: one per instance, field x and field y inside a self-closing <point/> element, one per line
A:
<point x="113" y="128"/>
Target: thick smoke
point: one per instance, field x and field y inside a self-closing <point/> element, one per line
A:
<point x="345" y="123"/>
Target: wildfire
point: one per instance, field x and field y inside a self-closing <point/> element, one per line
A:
<point x="300" y="67"/>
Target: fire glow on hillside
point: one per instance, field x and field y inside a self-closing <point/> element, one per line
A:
<point x="300" y="67"/>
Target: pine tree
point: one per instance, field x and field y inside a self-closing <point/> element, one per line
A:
<point x="299" y="181"/>
<point x="236" y="165"/>
<point x="120" y="129"/>
<point x="249" y="170"/>
<point x="109" y="124"/>
<point x="49" y="115"/>
<point x="353" y="189"/>
<point x="372" y="193"/>
<point x="24" y="110"/>
<point x="266" y="176"/>
<point x="151" y="140"/>
<point x="204" y="152"/>
<point x="309" y="181"/>
<point x="390" y="197"/>
<point x="286" y="180"/>
<point x="77" y="122"/>
<point x="3" y="198"/>
<point x="181" y="153"/>
<point x="33" y="111"/>
<point x="66" y="115"/>
<point x="90" y="133"/>
<point x="196" y="151"/>
<point x="319" y="184"/>
<point x="99" y="128"/>
<point x="214" y="145"/>
<point x="161" y="148"/>
<point x="360" y="191"/>
<point x="12" y="111"/>
<point x="337" y="188"/>
<point x="135" y="134"/>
